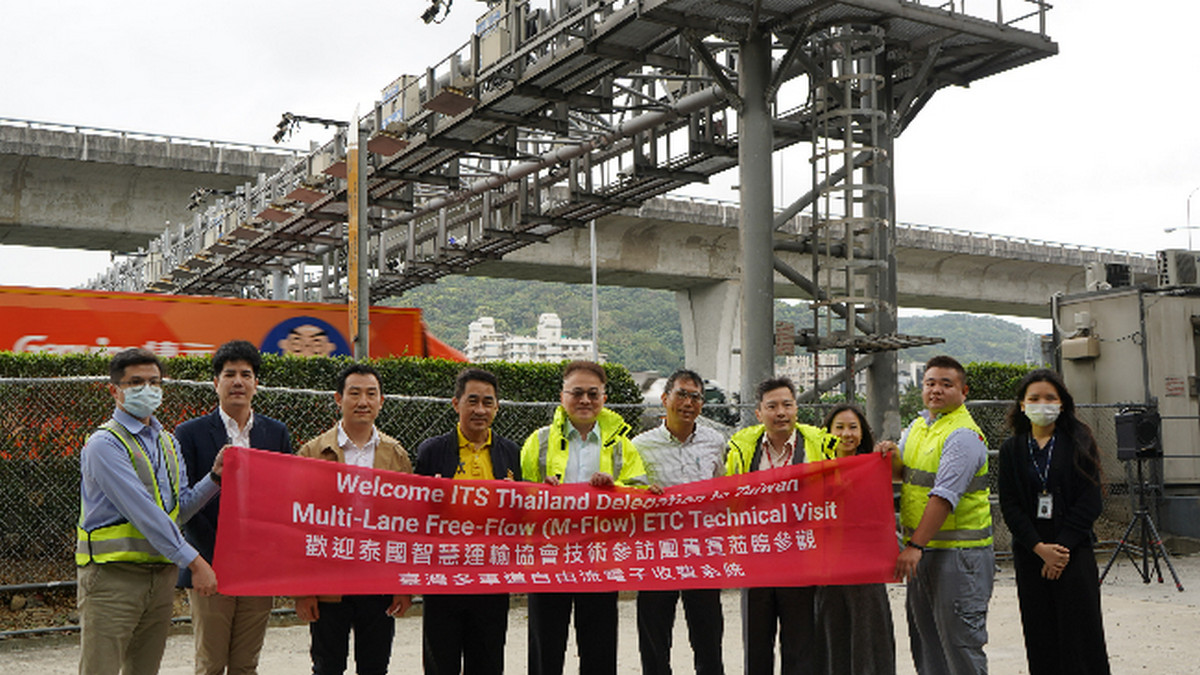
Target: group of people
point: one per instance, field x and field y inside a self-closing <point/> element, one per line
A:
<point x="149" y="513"/>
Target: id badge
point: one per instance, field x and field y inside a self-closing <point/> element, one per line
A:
<point x="1045" y="506"/>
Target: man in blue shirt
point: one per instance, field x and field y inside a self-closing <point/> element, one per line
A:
<point x="133" y="494"/>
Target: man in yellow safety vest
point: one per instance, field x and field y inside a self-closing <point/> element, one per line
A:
<point x="585" y="443"/>
<point x="134" y="493"/>
<point x="946" y="521"/>
<point x="776" y="442"/>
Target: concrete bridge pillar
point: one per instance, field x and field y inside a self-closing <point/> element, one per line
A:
<point x="711" y="318"/>
<point x="279" y="285"/>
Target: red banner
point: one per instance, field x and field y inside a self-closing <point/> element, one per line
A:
<point x="298" y="526"/>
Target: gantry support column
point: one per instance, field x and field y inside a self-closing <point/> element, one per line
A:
<point x="755" y="225"/>
<point x="710" y="318"/>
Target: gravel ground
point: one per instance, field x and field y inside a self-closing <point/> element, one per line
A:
<point x="1150" y="628"/>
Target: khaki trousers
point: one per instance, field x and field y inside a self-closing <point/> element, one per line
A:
<point x="124" y="615"/>
<point x="229" y="632"/>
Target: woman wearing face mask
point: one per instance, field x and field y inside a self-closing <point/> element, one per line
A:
<point x="1050" y="496"/>
<point x="854" y="623"/>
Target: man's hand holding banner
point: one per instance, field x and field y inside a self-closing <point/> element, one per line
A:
<point x="296" y="526"/>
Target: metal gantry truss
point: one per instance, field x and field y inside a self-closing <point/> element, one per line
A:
<point x="548" y="118"/>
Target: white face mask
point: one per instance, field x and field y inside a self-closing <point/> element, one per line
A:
<point x="141" y="402"/>
<point x="1042" y="414"/>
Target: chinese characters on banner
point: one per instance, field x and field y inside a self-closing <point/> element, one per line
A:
<point x="297" y="526"/>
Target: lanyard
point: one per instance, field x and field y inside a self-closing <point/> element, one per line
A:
<point x="1043" y="474"/>
<point x="784" y="460"/>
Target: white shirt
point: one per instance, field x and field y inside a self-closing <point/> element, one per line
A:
<point x="789" y="453"/>
<point x="583" y="454"/>
<point x="356" y="456"/>
<point x="236" y="436"/>
<point x="670" y="462"/>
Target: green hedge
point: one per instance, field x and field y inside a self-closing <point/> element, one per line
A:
<point x="990" y="381"/>
<point x="403" y="376"/>
<point x="47" y="423"/>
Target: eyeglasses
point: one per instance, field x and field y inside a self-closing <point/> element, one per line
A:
<point x="137" y="382"/>
<point x="685" y="394"/>
<point x="594" y="394"/>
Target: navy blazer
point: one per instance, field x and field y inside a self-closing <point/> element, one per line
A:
<point x="439" y="456"/>
<point x="200" y="439"/>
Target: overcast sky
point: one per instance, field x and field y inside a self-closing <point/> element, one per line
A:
<point x="1097" y="146"/>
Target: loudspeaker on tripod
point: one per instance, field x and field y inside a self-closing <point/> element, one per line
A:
<point x="1139" y="433"/>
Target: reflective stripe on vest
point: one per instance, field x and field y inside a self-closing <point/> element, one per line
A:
<point x="121" y="541"/>
<point x="616" y="457"/>
<point x="543" y="451"/>
<point x="955" y="535"/>
<point x="926" y="479"/>
<point x="970" y="524"/>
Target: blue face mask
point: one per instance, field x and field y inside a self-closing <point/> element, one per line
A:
<point x="142" y="401"/>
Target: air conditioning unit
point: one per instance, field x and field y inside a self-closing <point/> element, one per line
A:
<point x="1178" y="267"/>
<point x="1100" y="276"/>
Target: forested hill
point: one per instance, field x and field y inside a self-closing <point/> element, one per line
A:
<point x="639" y="328"/>
<point x="970" y="337"/>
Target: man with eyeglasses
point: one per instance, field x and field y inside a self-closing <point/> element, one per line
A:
<point x="466" y="633"/>
<point x="676" y="452"/>
<point x="134" y="494"/>
<point x="585" y="443"/>
<point x="776" y="442"/>
<point x="228" y="630"/>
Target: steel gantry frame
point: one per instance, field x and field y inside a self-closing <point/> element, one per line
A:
<point x="548" y="118"/>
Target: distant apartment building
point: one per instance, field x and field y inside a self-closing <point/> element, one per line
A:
<point x="485" y="343"/>
<point x="799" y="368"/>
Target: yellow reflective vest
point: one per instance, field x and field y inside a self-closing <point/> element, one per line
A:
<point x="545" y="451"/>
<point x="744" y="447"/>
<point x="970" y="524"/>
<point x="121" y="541"/>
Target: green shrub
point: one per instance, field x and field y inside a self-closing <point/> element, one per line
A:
<point x="991" y="381"/>
<point x="46" y="424"/>
<point x="405" y="376"/>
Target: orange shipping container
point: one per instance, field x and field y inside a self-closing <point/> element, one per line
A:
<point x="76" y="321"/>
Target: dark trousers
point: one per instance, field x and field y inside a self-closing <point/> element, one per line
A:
<point x="792" y="611"/>
<point x="464" y="634"/>
<point x="706" y="626"/>
<point x="373" y="631"/>
<point x="1064" y="630"/>
<point x="595" y="632"/>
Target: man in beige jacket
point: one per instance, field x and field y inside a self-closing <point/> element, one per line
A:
<point x="354" y="440"/>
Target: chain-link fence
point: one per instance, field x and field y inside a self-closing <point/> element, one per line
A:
<point x="47" y="421"/>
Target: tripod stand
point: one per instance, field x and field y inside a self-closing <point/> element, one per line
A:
<point x="1151" y="543"/>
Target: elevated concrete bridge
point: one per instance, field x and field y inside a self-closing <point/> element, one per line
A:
<point x="83" y="187"/>
<point x="691" y="246"/>
<point x="685" y="244"/>
<point x="102" y="189"/>
<point x="93" y="188"/>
